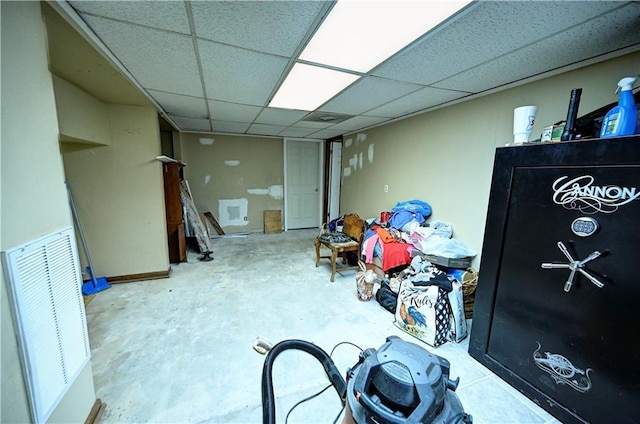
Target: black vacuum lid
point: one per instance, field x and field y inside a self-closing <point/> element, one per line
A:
<point x="401" y="380"/>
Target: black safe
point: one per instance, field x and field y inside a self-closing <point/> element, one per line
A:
<point x="557" y="309"/>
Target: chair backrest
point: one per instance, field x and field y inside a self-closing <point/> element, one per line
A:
<point x="353" y="226"/>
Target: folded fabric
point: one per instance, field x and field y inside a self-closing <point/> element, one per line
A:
<point x="335" y="237"/>
<point x="417" y="206"/>
<point x="401" y="217"/>
<point x="384" y="235"/>
<point x="424" y="273"/>
<point x="395" y="254"/>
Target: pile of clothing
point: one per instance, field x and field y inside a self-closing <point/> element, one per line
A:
<point x="406" y="230"/>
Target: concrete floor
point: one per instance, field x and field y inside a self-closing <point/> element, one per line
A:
<point x="179" y="350"/>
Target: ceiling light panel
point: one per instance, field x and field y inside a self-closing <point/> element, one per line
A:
<point x="225" y="111"/>
<point x="175" y="104"/>
<point x="358" y="35"/>
<point x="455" y="47"/>
<point x="368" y="93"/>
<point x="307" y="87"/>
<point x="238" y="75"/>
<point x="166" y="15"/>
<point x="147" y="57"/>
<point x="269" y="26"/>
<point x="422" y="99"/>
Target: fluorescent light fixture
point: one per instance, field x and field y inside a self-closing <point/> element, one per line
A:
<point x="307" y="87"/>
<point x="359" y="35"/>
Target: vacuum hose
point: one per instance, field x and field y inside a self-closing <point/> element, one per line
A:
<point x="268" y="401"/>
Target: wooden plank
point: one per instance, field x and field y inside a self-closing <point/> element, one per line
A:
<point x="139" y="277"/>
<point x="212" y="219"/>
<point x="272" y="221"/>
<point x="96" y="412"/>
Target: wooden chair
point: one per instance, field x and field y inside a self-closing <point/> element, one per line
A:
<point x="353" y="227"/>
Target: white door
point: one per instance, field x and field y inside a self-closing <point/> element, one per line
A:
<point x="302" y="184"/>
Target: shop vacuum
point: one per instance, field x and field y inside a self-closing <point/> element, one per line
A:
<point x="400" y="382"/>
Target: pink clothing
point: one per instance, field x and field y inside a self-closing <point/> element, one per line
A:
<point x="369" y="247"/>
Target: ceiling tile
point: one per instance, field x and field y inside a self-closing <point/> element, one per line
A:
<point x="487" y="30"/>
<point x="313" y="124"/>
<point x="244" y="48"/>
<point x="368" y="93"/>
<point x="230" y="127"/>
<point x="275" y="27"/>
<point x="225" y="111"/>
<point x="166" y="15"/>
<point x="418" y="100"/>
<point x="191" y="124"/>
<point x="237" y="75"/>
<point x="297" y="132"/>
<point x="326" y="134"/>
<point x="357" y="122"/>
<point x="263" y="129"/>
<point x="277" y="116"/>
<point x="176" y="104"/>
<point x="155" y="58"/>
<point x="591" y="39"/>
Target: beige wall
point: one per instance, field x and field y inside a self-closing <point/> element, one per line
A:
<point x="81" y="117"/>
<point x="34" y="200"/>
<point x="261" y="165"/>
<point x="445" y="157"/>
<point x="119" y="194"/>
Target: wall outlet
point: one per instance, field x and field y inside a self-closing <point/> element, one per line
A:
<point x="386" y="188"/>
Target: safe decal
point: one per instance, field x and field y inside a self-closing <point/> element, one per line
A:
<point x="583" y="194"/>
<point x="562" y="370"/>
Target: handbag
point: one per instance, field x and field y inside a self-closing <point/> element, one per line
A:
<point x="365" y="279"/>
<point x="386" y="297"/>
<point x="424" y="312"/>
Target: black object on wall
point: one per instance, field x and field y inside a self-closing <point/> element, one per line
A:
<point x="556" y="310"/>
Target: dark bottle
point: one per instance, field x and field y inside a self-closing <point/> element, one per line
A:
<point x="569" y="132"/>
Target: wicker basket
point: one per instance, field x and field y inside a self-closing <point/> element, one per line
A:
<point x="469" y="291"/>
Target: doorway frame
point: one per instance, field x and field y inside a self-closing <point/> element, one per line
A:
<point x="331" y="180"/>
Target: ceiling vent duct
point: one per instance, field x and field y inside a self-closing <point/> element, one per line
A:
<point x="326" y="117"/>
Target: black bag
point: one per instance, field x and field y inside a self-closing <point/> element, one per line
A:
<point x="386" y="297"/>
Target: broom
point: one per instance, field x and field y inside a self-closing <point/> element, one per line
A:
<point x="95" y="284"/>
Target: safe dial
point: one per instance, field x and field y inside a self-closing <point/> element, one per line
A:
<point x="574" y="266"/>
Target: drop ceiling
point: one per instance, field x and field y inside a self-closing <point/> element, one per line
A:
<point x="213" y="66"/>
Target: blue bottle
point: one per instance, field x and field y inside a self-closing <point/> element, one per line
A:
<point x="621" y="120"/>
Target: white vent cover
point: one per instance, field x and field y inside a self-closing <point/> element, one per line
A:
<point x="233" y="211"/>
<point x="46" y="298"/>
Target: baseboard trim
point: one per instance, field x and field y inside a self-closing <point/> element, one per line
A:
<point x="139" y="277"/>
<point x="96" y="412"/>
